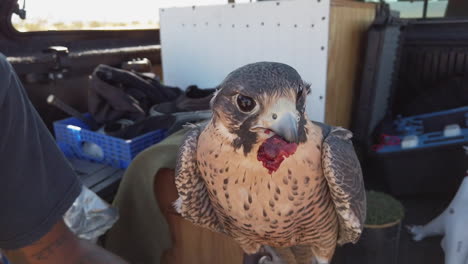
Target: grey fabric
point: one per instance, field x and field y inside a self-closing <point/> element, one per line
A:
<point x="37" y="185"/>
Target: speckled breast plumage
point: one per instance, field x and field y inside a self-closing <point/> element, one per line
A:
<point x="289" y="207"/>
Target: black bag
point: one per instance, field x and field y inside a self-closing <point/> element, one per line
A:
<point x="115" y="94"/>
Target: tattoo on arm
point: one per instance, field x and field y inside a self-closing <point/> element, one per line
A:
<point x="59" y="246"/>
<point x="50" y="249"/>
<point x="43" y="253"/>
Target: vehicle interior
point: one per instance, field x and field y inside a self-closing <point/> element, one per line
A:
<point x="387" y="60"/>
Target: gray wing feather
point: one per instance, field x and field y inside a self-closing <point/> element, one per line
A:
<point x="344" y="176"/>
<point x="194" y="203"/>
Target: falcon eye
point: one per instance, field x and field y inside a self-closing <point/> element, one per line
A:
<point x="245" y="103"/>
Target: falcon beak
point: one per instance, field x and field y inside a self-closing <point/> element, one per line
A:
<point x="282" y="119"/>
<point x="285" y="125"/>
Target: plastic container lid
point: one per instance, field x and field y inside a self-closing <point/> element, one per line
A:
<point x="410" y="142"/>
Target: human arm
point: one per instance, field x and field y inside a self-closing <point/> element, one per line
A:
<point x="37" y="186"/>
<point x="60" y="246"/>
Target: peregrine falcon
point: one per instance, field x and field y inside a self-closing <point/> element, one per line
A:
<point x="264" y="174"/>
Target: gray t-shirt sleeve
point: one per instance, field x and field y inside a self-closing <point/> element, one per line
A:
<point x="37" y="184"/>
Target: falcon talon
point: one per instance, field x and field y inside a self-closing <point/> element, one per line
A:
<point x="264" y="260"/>
<point x="178" y="205"/>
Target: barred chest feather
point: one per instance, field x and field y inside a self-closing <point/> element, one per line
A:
<point x="288" y="207"/>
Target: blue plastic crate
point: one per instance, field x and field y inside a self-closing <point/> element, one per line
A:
<point x="429" y="129"/>
<point x="429" y="140"/>
<point x="431" y="122"/>
<point x="72" y="135"/>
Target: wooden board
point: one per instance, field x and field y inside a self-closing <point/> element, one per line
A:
<point x="191" y="244"/>
<point x="349" y="23"/>
<point x="196" y="245"/>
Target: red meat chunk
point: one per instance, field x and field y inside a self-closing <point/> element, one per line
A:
<point x="273" y="151"/>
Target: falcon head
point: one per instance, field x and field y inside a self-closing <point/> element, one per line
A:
<point x="259" y="100"/>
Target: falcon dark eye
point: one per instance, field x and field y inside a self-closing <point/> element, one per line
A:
<point x="245" y="103"/>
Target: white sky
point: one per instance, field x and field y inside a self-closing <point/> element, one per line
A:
<point x="105" y="10"/>
<point x="147" y="10"/>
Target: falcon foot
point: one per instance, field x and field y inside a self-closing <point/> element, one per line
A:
<point x="318" y="260"/>
<point x="259" y="258"/>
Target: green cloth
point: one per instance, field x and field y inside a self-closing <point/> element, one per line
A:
<point x="142" y="234"/>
